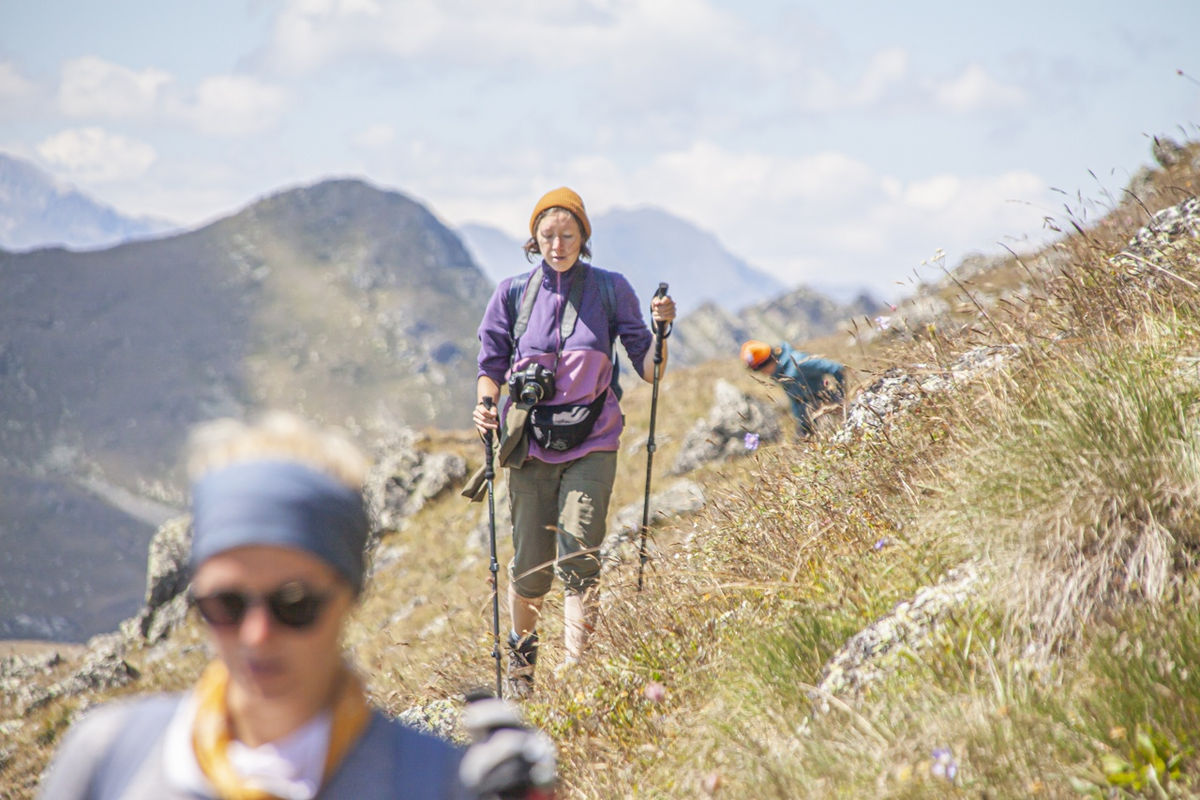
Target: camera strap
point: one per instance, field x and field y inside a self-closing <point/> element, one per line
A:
<point x="570" y="314"/>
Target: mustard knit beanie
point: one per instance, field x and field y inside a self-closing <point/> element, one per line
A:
<point x="562" y="197"/>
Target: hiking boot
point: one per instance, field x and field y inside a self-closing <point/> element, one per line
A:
<point x="522" y="656"/>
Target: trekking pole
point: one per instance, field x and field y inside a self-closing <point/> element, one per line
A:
<point x="661" y="331"/>
<point x="489" y="474"/>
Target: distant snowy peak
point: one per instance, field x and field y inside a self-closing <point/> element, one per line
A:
<point x="649" y="246"/>
<point x="36" y="210"/>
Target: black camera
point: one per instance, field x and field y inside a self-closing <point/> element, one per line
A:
<point x="532" y="384"/>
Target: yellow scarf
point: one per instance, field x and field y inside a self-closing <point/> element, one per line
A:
<point x="212" y="731"/>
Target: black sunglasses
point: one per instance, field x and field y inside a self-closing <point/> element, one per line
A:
<point x="293" y="605"/>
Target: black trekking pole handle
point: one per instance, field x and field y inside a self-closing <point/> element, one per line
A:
<point x="489" y="471"/>
<point x="661" y="331"/>
<point x="489" y="474"/>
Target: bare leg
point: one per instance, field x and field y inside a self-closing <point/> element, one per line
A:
<point x="524" y="612"/>
<point x="579" y="615"/>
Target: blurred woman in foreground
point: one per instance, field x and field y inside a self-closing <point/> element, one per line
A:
<point x="279" y="531"/>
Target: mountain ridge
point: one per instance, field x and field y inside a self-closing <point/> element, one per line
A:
<point x="338" y="300"/>
<point x="38" y="211"/>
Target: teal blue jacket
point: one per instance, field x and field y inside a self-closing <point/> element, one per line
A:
<point x="802" y="376"/>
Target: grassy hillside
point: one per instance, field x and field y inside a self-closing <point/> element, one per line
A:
<point x="992" y="594"/>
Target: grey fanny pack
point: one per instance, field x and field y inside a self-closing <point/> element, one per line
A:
<point x="565" y="427"/>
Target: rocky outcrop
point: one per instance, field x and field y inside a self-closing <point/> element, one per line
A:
<point x="27" y="683"/>
<point x="712" y="332"/>
<point x="900" y="390"/>
<point x="1168" y="152"/>
<point x="405" y="479"/>
<point x="681" y="497"/>
<point x="439" y="717"/>
<point x="723" y="434"/>
<point x="1168" y="240"/>
<point x="881" y="647"/>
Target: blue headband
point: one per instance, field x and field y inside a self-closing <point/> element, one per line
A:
<point x="284" y="504"/>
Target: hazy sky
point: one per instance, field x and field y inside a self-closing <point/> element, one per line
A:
<point x="828" y="143"/>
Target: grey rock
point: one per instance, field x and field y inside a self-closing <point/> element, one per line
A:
<point x="898" y="390"/>
<point x="874" y="651"/>
<point x="405" y="479"/>
<point x="27" y="666"/>
<point x="681" y="497"/>
<point x="1167" y="152"/>
<point x="27" y="686"/>
<point x="167" y="575"/>
<point x="722" y="434"/>
<point x="167" y="567"/>
<point x="23" y="681"/>
<point x="1141" y="185"/>
<point x="165" y="619"/>
<point x="712" y="331"/>
<point x="439" y="717"/>
<point x="1152" y="255"/>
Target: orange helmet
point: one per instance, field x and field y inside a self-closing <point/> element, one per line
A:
<point x="755" y="354"/>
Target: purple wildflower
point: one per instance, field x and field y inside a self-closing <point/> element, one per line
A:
<point x="944" y="765"/>
<point x="751" y="441"/>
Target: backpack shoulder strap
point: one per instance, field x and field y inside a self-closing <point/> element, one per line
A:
<point x="608" y="296"/>
<point x="520" y="303"/>
<point x="574" y="300"/>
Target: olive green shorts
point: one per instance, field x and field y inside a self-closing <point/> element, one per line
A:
<point x="558" y="513"/>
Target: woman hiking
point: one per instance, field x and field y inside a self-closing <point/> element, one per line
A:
<point x="549" y="335"/>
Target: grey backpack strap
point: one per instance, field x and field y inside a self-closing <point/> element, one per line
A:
<point x="527" y="297"/>
<point x="570" y="313"/>
<point x="608" y="295"/>
<point x="574" y="299"/>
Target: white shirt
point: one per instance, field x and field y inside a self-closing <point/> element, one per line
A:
<point x="290" y="768"/>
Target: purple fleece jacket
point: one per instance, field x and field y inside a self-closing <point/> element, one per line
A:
<point x="585" y="369"/>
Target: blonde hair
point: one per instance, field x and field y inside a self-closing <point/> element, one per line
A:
<point x="277" y="434"/>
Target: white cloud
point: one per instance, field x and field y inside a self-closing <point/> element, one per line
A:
<point x="819" y="218"/>
<point x="98" y="88"/>
<point x="376" y="136"/>
<point x="13" y="85"/>
<point x="308" y="34"/>
<point x="932" y="194"/>
<point x="222" y="105"/>
<point x="822" y="218"/>
<point x="886" y="70"/>
<point x="232" y="105"/>
<point x="974" y="89"/>
<point x="93" y="155"/>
